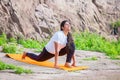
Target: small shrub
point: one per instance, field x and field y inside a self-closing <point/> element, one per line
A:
<point x="94" y="42"/>
<point x="29" y="43"/>
<point x="116" y="24"/>
<point x="13" y="40"/>
<point x="33" y="44"/>
<point x="91" y="58"/>
<point x="18" y="70"/>
<point x="10" y="66"/>
<point x="2" y="66"/>
<point x="10" y="48"/>
<point x="42" y="45"/>
<point x="3" y="39"/>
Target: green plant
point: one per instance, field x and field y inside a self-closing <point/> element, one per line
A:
<point x="10" y="66"/>
<point x="116" y="24"/>
<point x="2" y="66"/>
<point x="117" y="63"/>
<point x="18" y="70"/>
<point x="13" y="40"/>
<point x="3" y="39"/>
<point x="42" y="45"/>
<point x="20" y="49"/>
<point x="10" y="48"/>
<point x="94" y="42"/>
<point x="29" y="43"/>
<point x="91" y="58"/>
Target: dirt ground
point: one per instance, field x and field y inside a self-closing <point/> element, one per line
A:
<point x="101" y="69"/>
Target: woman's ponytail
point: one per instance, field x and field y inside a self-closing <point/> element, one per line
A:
<point x="70" y="40"/>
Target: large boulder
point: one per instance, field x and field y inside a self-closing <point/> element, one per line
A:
<point x="39" y="19"/>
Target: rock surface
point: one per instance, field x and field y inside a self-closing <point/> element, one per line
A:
<point x="38" y="19"/>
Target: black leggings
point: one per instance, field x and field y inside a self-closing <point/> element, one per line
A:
<point x="45" y="55"/>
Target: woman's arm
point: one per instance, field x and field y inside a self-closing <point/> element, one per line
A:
<point x="56" y="55"/>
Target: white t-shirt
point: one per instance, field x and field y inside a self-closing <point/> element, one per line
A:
<point x="58" y="37"/>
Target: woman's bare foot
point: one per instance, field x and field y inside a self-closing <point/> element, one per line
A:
<point x="24" y="55"/>
<point x="73" y="65"/>
<point x="68" y="65"/>
<point x="57" y="67"/>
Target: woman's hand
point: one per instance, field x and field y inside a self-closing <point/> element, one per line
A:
<point x="56" y="55"/>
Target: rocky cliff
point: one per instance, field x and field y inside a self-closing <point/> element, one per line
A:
<point x="38" y="19"/>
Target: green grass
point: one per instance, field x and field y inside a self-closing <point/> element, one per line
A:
<point x="12" y="40"/>
<point x="83" y="41"/>
<point x="116" y="24"/>
<point x="91" y="58"/>
<point x="10" y="48"/>
<point x="118" y="63"/>
<point x="42" y="45"/>
<point x="29" y="43"/>
<point x="16" y="69"/>
<point x="3" y="39"/>
<point x="11" y="45"/>
<point x="94" y="42"/>
<point x="20" y="70"/>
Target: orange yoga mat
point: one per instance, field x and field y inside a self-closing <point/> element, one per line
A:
<point x="44" y="63"/>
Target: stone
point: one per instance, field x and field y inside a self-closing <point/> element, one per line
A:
<point x="39" y="19"/>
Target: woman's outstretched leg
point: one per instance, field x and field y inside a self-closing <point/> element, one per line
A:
<point x="43" y="56"/>
<point x="30" y="55"/>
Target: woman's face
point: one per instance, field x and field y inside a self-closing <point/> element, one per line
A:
<point x="66" y="27"/>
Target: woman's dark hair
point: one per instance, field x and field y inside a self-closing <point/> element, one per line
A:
<point x="69" y="36"/>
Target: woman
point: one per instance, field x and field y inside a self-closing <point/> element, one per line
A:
<point x="60" y="44"/>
